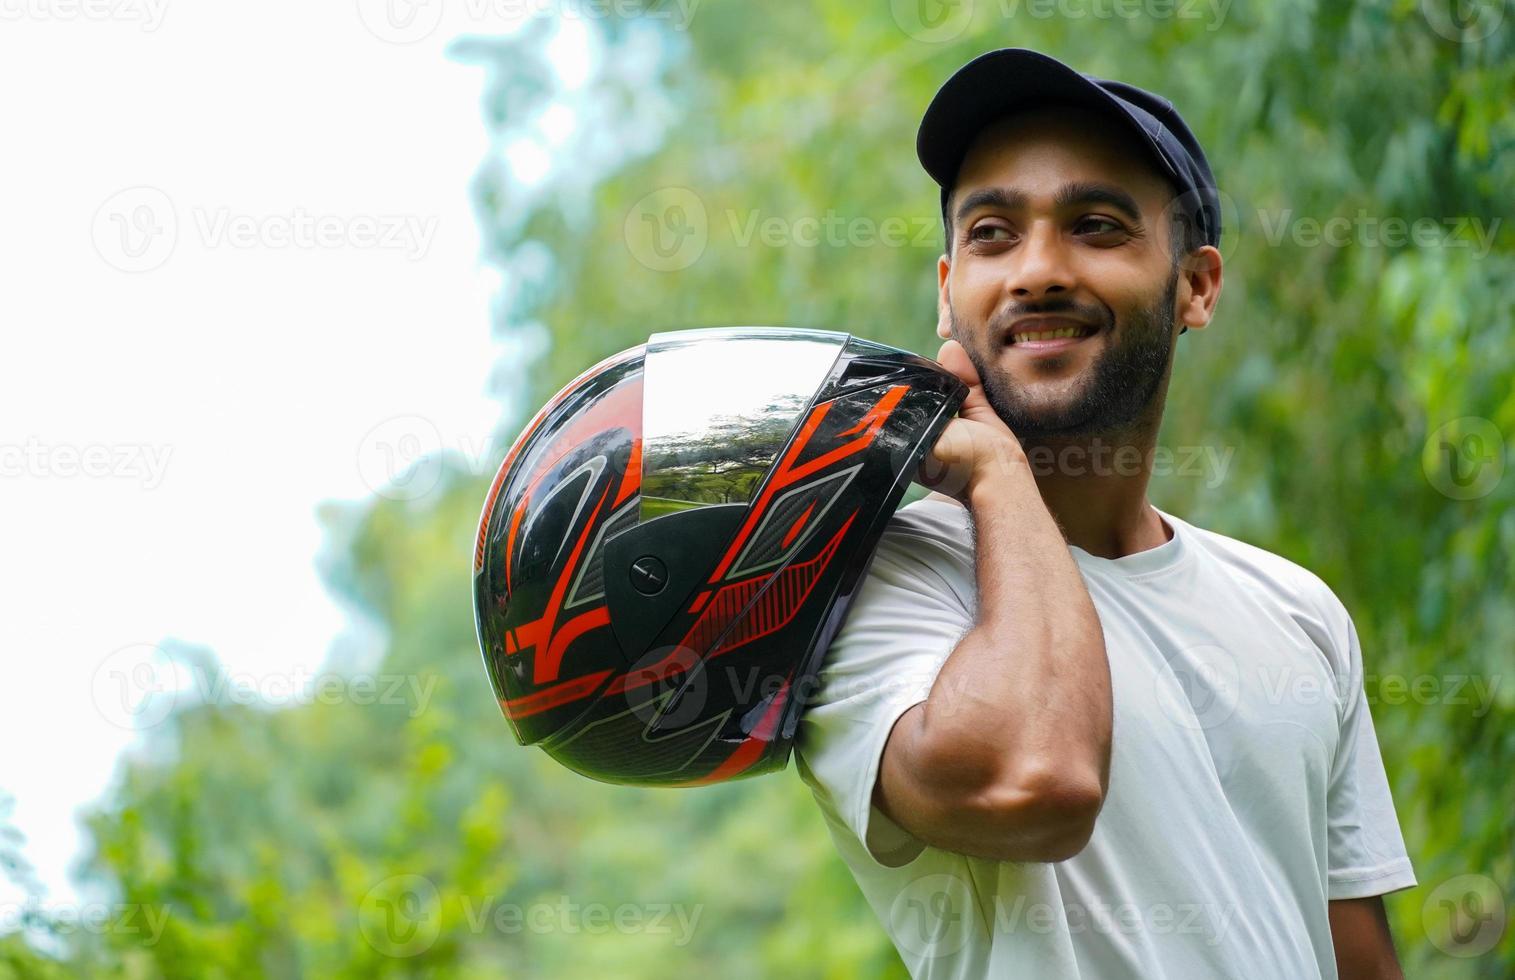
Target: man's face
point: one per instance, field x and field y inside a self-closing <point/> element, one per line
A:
<point x="1059" y="227"/>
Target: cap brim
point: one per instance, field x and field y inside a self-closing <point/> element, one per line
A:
<point x="1004" y="81"/>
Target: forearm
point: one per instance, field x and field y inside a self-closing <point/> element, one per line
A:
<point x="1363" y="943"/>
<point x="1008" y="757"/>
<point x="1023" y="702"/>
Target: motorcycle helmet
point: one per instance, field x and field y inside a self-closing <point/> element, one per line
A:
<point x="672" y="542"/>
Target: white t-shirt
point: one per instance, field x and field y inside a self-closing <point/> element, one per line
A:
<point x="1246" y="786"/>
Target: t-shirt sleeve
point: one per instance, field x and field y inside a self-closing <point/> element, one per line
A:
<point x="904" y="621"/>
<point x="1366" y="849"/>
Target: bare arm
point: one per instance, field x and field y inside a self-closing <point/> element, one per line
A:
<point x="1008" y="758"/>
<point x="1364" y="947"/>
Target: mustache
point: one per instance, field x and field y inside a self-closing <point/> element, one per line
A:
<point x="1100" y="316"/>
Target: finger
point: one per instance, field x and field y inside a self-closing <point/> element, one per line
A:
<point x="976" y="405"/>
<point x="954" y="358"/>
<point x="945" y="468"/>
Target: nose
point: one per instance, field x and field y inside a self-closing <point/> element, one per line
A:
<point x="1042" y="267"/>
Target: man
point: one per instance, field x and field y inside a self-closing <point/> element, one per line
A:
<point x="1063" y="733"/>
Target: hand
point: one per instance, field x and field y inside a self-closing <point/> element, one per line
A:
<point x="975" y="445"/>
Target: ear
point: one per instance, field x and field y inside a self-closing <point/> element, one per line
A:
<point x="1199" y="282"/>
<point x="943" y="299"/>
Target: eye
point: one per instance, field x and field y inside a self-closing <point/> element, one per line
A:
<point x="989" y="233"/>
<point x="1097" y="225"/>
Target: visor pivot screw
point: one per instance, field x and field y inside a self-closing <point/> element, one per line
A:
<point x="648" y="575"/>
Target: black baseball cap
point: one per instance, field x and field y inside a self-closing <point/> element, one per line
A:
<point x="1011" y="79"/>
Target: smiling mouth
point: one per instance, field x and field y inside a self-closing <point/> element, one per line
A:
<point x="1050" y="333"/>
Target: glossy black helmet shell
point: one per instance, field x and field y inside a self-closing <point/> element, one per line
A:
<point x="672" y="542"/>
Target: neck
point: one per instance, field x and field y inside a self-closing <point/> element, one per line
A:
<point x="1095" y="485"/>
<point x="1096" y="489"/>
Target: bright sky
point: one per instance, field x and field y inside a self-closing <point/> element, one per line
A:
<point x="242" y="275"/>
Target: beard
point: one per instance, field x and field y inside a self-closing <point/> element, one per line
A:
<point x="1119" y="387"/>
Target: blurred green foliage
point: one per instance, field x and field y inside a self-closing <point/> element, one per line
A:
<point x="291" y="842"/>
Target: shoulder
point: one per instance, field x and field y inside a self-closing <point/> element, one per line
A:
<point x="915" y="600"/>
<point x="1271" y="578"/>
<point x="933" y="518"/>
<point x="929" y="541"/>
<point x="1260" y="567"/>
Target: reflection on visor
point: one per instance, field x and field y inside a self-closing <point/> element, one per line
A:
<point x="719" y="405"/>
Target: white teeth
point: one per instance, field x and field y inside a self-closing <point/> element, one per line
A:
<point x="1057" y="334"/>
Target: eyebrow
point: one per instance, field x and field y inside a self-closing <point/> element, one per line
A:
<point x="998" y="197"/>
<point x="1092" y="193"/>
<point x="1079" y="192"/>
